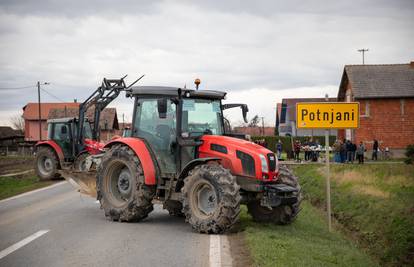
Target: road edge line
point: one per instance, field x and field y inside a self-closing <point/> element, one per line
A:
<point x="215" y="251"/>
<point x="32" y="192"/>
<point x="22" y="243"/>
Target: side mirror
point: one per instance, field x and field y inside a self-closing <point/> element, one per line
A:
<point x="245" y="109"/>
<point x="162" y="108"/>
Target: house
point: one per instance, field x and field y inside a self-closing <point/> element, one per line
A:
<point x="9" y="139"/>
<point x="108" y="121"/>
<point x="386" y="97"/>
<point x="31" y="119"/>
<point x="286" y="118"/>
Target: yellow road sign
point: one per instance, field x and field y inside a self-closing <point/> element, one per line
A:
<point x="327" y="115"/>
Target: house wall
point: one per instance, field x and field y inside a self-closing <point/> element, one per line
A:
<point x="390" y="121"/>
<point x="31" y="132"/>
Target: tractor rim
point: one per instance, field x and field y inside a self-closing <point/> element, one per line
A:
<point x="204" y="199"/>
<point x="45" y="165"/>
<point x="119" y="183"/>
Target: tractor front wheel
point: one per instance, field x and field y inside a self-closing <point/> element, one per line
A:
<point x="46" y="163"/>
<point x="121" y="188"/>
<point x="284" y="214"/>
<point x="211" y="199"/>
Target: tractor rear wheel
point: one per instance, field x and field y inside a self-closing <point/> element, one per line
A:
<point x="46" y="163"/>
<point x="211" y="199"/>
<point x="279" y="215"/>
<point x="120" y="186"/>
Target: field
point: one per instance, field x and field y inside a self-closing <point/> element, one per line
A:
<point x="374" y="205"/>
<point x="17" y="176"/>
<point x="306" y="242"/>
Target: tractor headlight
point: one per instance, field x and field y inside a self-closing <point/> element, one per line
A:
<point x="263" y="160"/>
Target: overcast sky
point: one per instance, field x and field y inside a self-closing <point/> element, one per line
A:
<point x="257" y="51"/>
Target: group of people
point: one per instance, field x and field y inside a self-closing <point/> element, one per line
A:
<point x="311" y="149"/>
<point x="346" y="151"/>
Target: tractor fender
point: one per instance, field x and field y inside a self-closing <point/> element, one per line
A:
<point x="190" y="165"/>
<point x="142" y="152"/>
<point x="56" y="148"/>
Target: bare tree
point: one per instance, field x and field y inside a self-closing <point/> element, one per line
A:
<point x="17" y="122"/>
<point x="254" y="122"/>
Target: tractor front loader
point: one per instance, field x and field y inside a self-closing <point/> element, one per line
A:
<point x="178" y="153"/>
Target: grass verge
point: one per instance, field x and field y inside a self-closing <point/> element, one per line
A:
<point x="306" y="242"/>
<point x="11" y="186"/>
<point x="373" y="203"/>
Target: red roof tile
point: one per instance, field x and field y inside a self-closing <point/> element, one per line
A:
<point x="31" y="110"/>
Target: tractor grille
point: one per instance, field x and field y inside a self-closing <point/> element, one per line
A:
<point x="247" y="162"/>
<point x="272" y="162"/>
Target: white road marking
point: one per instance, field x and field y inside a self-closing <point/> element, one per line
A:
<point x="32" y="192"/>
<point x="215" y="251"/>
<point x="22" y="243"/>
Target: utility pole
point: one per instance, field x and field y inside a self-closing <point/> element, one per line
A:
<point x="40" y="109"/>
<point x="363" y="50"/>
<point x="263" y="131"/>
<point x="328" y="181"/>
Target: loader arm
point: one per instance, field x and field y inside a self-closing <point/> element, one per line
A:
<point x="101" y="98"/>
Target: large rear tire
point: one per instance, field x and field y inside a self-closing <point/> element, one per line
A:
<point x="121" y="189"/>
<point x="46" y="163"/>
<point x="211" y="199"/>
<point x="279" y="215"/>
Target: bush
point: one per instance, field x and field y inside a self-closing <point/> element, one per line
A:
<point x="409" y="153"/>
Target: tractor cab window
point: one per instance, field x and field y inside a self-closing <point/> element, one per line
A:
<point x="87" y="131"/>
<point x="202" y="116"/>
<point x="159" y="132"/>
<point x="61" y="132"/>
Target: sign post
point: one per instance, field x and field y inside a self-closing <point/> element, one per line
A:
<point x="327" y="115"/>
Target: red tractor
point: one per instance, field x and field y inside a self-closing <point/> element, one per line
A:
<point x="71" y="140"/>
<point x="179" y="153"/>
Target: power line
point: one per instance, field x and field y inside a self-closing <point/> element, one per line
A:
<point x="52" y="95"/>
<point x="17" y="88"/>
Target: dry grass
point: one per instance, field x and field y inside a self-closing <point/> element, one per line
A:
<point x="360" y="183"/>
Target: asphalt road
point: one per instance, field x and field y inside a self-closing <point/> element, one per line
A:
<point x="80" y="235"/>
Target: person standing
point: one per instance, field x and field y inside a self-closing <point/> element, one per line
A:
<point x="297" y="150"/>
<point x="343" y="151"/>
<point x="337" y="151"/>
<point x="375" y="150"/>
<point x="279" y="148"/>
<point x="354" y="148"/>
<point x="348" y="151"/>
<point x="360" y="153"/>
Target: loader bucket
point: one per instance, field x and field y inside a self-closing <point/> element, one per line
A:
<point x="84" y="182"/>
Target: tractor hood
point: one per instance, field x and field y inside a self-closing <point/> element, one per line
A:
<point x="242" y="157"/>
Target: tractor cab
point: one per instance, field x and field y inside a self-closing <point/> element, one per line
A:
<point x="173" y="120"/>
<point x="63" y="132"/>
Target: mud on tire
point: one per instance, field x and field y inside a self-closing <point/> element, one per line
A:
<point x="120" y="186"/>
<point x="46" y="164"/>
<point x="279" y="215"/>
<point x="211" y="199"/>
